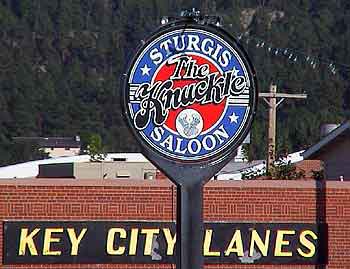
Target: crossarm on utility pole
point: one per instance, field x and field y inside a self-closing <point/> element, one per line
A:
<point x="282" y="95"/>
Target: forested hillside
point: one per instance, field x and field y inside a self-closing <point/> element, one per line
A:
<point x="61" y="63"/>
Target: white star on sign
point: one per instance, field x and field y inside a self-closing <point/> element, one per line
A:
<point x="233" y="117"/>
<point x="145" y="70"/>
<point x="235" y="71"/>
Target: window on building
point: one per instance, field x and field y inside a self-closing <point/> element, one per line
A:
<point x="119" y="159"/>
<point x="122" y="174"/>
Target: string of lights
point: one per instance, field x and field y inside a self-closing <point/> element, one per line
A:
<point x="293" y="55"/>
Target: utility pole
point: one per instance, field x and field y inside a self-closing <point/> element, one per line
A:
<point x="271" y="100"/>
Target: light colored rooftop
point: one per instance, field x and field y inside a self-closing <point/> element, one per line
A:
<point x="31" y="169"/>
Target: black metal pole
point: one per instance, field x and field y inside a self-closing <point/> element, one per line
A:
<point x="189" y="226"/>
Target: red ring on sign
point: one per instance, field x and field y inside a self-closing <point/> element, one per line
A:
<point x="210" y="113"/>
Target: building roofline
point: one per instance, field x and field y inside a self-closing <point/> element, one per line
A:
<point x="51" y="142"/>
<point x="326" y="140"/>
<point x="212" y="184"/>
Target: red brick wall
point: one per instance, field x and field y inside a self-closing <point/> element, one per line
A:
<point x="236" y="201"/>
<point x="309" y="167"/>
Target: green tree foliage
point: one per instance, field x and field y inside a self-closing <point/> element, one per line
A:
<point x="95" y="148"/>
<point x="61" y="65"/>
<point x="282" y="170"/>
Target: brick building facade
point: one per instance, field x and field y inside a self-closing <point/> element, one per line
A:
<point x="235" y="201"/>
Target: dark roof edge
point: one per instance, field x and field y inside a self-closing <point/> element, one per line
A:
<point x="326" y="140"/>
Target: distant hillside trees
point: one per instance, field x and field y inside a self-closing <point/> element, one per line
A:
<point x="61" y="65"/>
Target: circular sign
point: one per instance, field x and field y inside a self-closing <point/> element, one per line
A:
<point x="190" y="93"/>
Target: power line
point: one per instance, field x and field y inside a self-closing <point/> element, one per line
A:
<point x="293" y="55"/>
